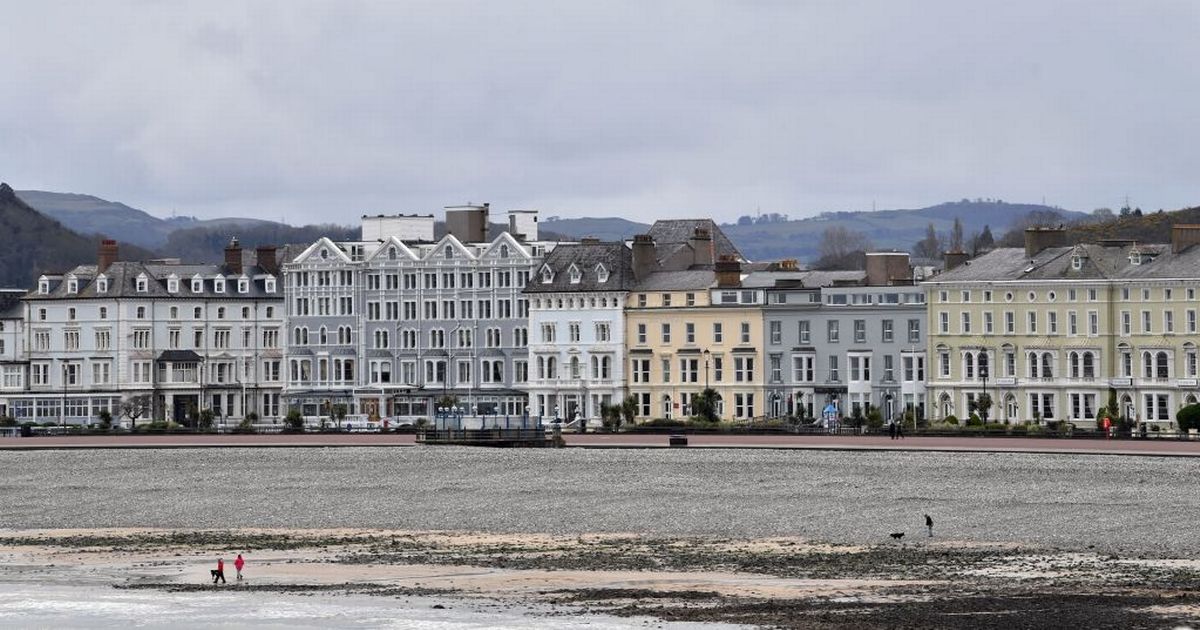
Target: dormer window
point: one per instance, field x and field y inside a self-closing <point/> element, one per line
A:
<point x="243" y="285"/>
<point x="547" y="275"/>
<point x="601" y="273"/>
<point x="172" y="284"/>
<point x="142" y="283"/>
<point x="269" y="285"/>
<point x="43" y="286"/>
<point x="72" y="284"/>
<point x="1077" y="262"/>
<point x="102" y="284"/>
<point x="1135" y="256"/>
<point x="219" y="284"/>
<point x="576" y="275"/>
<point x="197" y="284"/>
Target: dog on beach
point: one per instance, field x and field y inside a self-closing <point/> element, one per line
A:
<point x="897" y="535"/>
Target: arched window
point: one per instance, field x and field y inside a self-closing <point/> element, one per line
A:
<point x="1073" y="362"/>
<point x="1161" y="368"/>
<point x="946" y="405"/>
<point x="1033" y="365"/>
<point x="574" y="367"/>
<point x="551" y="368"/>
<point x="1147" y="365"/>
<point x="983" y="370"/>
<point x="1047" y="365"/>
<point x="323" y="336"/>
<point x="1089" y="365"/>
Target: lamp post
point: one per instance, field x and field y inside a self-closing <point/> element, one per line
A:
<point x="983" y="374"/>
<point x="62" y="411"/>
<point x="707" y="356"/>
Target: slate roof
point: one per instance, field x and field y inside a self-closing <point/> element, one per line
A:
<point x="617" y="258"/>
<point x="1099" y="262"/>
<point x="697" y="279"/>
<point x="807" y="279"/>
<point x="122" y="282"/>
<point x="670" y="231"/>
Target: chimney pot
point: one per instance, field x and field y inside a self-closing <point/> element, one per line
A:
<point x="233" y="256"/>
<point x="107" y="255"/>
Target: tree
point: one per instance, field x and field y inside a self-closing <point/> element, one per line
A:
<point x="135" y="407"/>
<point x="956" y="236"/>
<point x="704" y="405"/>
<point x="930" y="246"/>
<point x="986" y="240"/>
<point x="295" y="421"/>
<point x="1103" y="214"/>
<point x="1188" y="418"/>
<point x="983" y="404"/>
<point x="629" y="408"/>
<point x="842" y="249"/>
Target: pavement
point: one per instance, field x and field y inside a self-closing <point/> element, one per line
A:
<point x="1145" y="447"/>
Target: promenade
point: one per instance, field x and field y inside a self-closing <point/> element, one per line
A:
<point x="1144" y="447"/>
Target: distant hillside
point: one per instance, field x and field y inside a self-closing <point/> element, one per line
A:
<point x="35" y="244"/>
<point x="605" y="229"/>
<point x="92" y="215"/>
<point x="1148" y="228"/>
<point x="887" y="229"/>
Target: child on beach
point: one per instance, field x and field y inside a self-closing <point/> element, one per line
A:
<point x="238" y="564"/>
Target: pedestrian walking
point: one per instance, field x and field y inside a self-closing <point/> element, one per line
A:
<point x="892" y="429"/>
<point x="929" y="525"/>
<point x="238" y="564"/>
<point x="900" y="430"/>
<point x="219" y="572"/>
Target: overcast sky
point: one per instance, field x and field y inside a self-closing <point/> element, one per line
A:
<point x="322" y="111"/>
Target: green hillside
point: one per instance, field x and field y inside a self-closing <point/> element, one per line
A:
<point x="35" y="244"/>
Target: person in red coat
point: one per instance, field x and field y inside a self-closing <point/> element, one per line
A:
<point x="238" y="564"/>
<point x="219" y="572"/>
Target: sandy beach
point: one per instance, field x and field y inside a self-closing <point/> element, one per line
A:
<point x="618" y="538"/>
<point x="787" y="583"/>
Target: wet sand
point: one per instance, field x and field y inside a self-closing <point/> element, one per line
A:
<point x="779" y="582"/>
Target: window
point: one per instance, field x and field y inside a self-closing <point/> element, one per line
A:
<point x="1191" y="320"/>
<point x="1126" y="323"/>
<point x="1168" y="322"/>
<point x="832" y="330"/>
<point x="666" y="370"/>
<point x="666" y="333"/>
<point x="860" y="331"/>
<point x="641" y="370"/>
<point x="690" y="299"/>
<point x="718" y="332"/>
<point x="805" y="331"/>
<point x="775" y="329"/>
<point x="1052" y="322"/>
<point x="965" y="324"/>
<point x="1145" y="321"/>
<point x="944" y="322"/>
<point x="573" y="332"/>
<point x="833" y="368"/>
<point x="914" y="331"/>
<point x="666" y="299"/>
<point x="641" y="333"/>
<point x="1093" y="323"/>
<point x="745" y="332"/>
<point x="1031" y="325"/>
<point x="886" y="331"/>
<point x="689" y="330"/>
<point x="743" y="369"/>
<point x="803" y="368"/>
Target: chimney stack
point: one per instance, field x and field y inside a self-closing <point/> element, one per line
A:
<point x="1039" y="238"/>
<point x="1183" y="236"/>
<point x="107" y="255"/>
<point x="950" y="260"/>
<point x="265" y="256"/>
<point x="523" y="224"/>
<point x="888" y="268"/>
<point x="468" y="224"/>
<point x="702" y="247"/>
<point x="729" y="272"/>
<point x="645" y="260"/>
<point x="233" y="257"/>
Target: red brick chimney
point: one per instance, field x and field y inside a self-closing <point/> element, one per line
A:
<point x="233" y="257"/>
<point x="265" y="255"/>
<point x="106" y="256"/>
<point x="729" y="272"/>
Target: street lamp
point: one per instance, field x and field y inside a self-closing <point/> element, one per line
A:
<point x="983" y="374"/>
<point x="707" y="356"/>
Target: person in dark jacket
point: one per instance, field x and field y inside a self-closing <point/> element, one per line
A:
<point x="929" y="524"/>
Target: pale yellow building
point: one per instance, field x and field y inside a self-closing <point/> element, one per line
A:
<point x="688" y="330"/>
<point x="1054" y="332"/>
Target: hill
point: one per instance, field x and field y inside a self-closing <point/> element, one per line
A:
<point x="1145" y="228"/>
<point x="886" y="229"/>
<point x="92" y="215"/>
<point x="603" y="228"/>
<point x="37" y="244"/>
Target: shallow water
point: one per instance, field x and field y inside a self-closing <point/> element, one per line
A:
<point x="99" y="607"/>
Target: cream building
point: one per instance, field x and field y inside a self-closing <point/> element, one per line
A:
<point x="1053" y="332"/>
